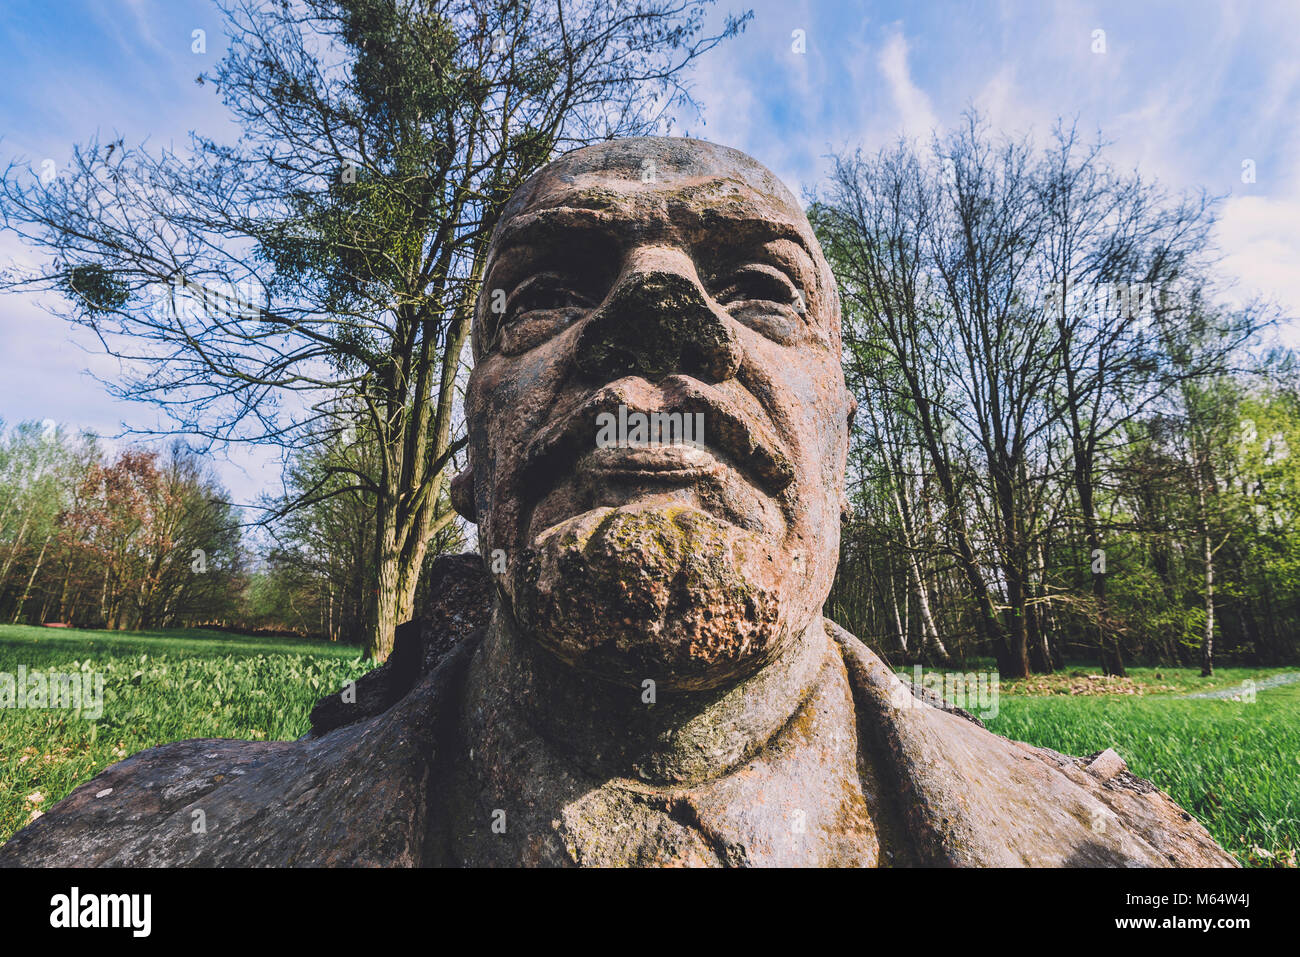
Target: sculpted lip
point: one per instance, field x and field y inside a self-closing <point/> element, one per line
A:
<point x="670" y="464"/>
<point x="571" y="434"/>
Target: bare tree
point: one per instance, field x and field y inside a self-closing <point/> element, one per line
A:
<point x="1008" y="311"/>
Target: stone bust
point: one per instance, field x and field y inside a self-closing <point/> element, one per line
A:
<point x="635" y="669"/>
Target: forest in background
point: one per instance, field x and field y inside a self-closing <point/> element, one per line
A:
<point x="142" y="540"/>
<point x="1067" y="445"/>
<point x="137" y="540"/>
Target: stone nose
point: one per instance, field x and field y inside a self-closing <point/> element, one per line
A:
<point x="658" y="322"/>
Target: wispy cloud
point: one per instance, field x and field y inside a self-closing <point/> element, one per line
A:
<point x="916" y="115"/>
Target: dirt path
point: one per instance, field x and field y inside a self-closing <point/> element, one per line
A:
<point x="1291" y="677"/>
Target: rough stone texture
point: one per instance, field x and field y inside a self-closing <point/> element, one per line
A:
<point x="1106" y="765"/>
<point x="647" y="680"/>
<point x="461" y="602"/>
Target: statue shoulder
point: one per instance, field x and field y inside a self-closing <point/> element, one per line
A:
<point x="457" y="603"/>
<point x="883" y="679"/>
<point x="961" y="795"/>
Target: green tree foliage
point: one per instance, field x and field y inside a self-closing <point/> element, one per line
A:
<point x="1047" y="453"/>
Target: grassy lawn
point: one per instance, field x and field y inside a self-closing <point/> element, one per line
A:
<point x="158" y="687"/>
<point x="1234" y="764"/>
<point x="1088" y="680"/>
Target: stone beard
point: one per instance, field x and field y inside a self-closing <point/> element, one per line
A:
<point x="702" y="293"/>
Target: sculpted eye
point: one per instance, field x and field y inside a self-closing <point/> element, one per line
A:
<point x="539" y="308"/>
<point x="543" y="292"/>
<point x="759" y="282"/>
<point x="765" y="298"/>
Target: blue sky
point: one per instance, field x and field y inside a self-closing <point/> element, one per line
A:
<point x="1184" y="92"/>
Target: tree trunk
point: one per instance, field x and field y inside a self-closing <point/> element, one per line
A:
<point x="36" y="569"/>
<point x="929" y="632"/>
<point x="65" y="595"/>
<point x="383" y="619"/>
<point x="1013" y="568"/>
<point x="987" y="624"/>
<point x="899" y="627"/>
<point x="1207" y="642"/>
<point x="13" y="550"/>
<point x="1201" y="477"/>
<point x="1112" y="660"/>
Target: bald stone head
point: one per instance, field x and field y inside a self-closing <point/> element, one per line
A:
<point x="657" y="414"/>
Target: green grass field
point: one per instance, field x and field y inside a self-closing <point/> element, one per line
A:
<point x="1234" y="764"/>
<point x="158" y="687"/>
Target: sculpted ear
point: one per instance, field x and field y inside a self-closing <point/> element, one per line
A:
<point x="462" y="495"/>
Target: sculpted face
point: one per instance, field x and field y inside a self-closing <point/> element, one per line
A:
<point x="647" y="276"/>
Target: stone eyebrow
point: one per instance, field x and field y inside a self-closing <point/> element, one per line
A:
<point x="540" y="225"/>
<point x="758" y="229"/>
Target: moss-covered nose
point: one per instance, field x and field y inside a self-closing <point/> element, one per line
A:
<point x="656" y="324"/>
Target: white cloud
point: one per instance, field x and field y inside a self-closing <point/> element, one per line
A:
<point x="915" y="111"/>
<point x="1260" y="239"/>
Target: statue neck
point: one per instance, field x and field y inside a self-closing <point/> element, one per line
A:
<point x="657" y="735"/>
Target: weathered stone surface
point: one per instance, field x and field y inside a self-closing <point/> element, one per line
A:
<point x="655" y="684"/>
<point x="461" y="602"/>
<point x="1106" y="765"/>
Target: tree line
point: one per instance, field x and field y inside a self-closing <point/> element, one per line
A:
<point x="145" y="539"/>
<point x="137" y="540"/>
<point x="1066" y="444"/>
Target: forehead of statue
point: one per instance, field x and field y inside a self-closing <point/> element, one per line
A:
<point x="652" y="187"/>
<point x="642" y="164"/>
<point x="719" y="213"/>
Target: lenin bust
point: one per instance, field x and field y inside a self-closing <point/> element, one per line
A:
<point x="635" y="670"/>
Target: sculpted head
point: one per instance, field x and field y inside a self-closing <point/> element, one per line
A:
<point x="641" y="277"/>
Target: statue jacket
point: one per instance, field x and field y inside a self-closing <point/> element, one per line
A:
<point x="365" y="787"/>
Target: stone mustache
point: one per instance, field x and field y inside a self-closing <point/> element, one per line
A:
<point x="635" y="669"/>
